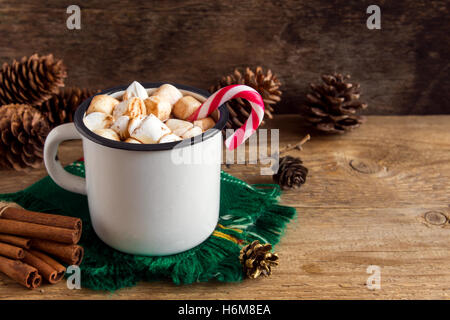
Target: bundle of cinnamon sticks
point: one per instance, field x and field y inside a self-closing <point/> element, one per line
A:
<point x="34" y="245"/>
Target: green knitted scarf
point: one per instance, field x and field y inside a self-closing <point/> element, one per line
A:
<point x="247" y="213"/>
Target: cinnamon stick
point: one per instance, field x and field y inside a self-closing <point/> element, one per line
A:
<point x="49" y="273"/>
<point x="70" y="254"/>
<point x="21" y="272"/>
<point x="45" y="219"/>
<point x="52" y="262"/>
<point x="10" y="251"/>
<point x="32" y="230"/>
<point x="16" y="241"/>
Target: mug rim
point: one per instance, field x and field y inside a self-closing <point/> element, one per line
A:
<point x="85" y="132"/>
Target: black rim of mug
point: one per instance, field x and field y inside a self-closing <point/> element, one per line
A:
<point x="79" y="124"/>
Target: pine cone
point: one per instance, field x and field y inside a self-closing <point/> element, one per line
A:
<point x="332" y="105"/>
<point x="291" y="173"/>
<point x="32" y="80"/>
<point x="267" y="84"/>
<point x="257" y="259"/>
<point x="61" y="107"/>
<point x="23" y="131"/>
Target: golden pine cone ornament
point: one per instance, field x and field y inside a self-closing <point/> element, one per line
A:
<point x="257" y="259"/>
<point x="32" y="80"/>
<point x="61" y="107"/>
<point x="333" y="104"/>
<point x="23" y="131"/>
<point x="266" y="83"/>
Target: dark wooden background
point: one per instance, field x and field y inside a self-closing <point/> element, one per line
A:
<point x="403" y="68"/>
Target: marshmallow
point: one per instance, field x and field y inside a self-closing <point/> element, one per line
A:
<point x="205" y="124"/>
<point x="132" y="107"/>
<point x="107" y="133"/>
<point x="185" y="107"/>
<point x="160" y="108"/>
<point x="102" y="103"/>
<point x="179" y="127"/>
<point x="97" y="120"/>
<point x="192" y="132"/>
<point x="131" y="140"/>
<point x="168" y="93"/>
<point x="135" y="90"/>
<point x="120" y="126"/>
<point x="169" y="138"/>
<point x="150" y="130"/>
<point x="134" y="123"/>
<point x="215" y="115"/>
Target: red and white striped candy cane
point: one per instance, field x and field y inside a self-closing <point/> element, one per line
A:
<point x="232" y="92"/>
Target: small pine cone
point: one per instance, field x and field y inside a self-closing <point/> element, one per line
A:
<point x="61" y="107"/>
<point x="32" y="80"/>
<point x="257" y="259"/>
<point x="291" y="173"/>
<point x="267" y="85"/>
<point x="23" y="131"/>
<point x="332" y="105"/>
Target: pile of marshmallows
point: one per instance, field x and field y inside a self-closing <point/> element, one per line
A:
<point x="140" y="118"/>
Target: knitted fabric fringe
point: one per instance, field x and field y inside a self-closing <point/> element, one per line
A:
<point x="247" y="212"/>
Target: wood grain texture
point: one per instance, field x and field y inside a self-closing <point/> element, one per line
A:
<point x="376" y="196"/>
<point x="403" y="68"/>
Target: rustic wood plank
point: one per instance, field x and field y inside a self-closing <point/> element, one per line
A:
<point x="403" y="68"/>
<point x="392" y="211"/>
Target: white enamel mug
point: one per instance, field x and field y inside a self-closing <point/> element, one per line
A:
<point x="145" y="199"/>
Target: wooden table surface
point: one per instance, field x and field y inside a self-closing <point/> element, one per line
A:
<point x="376" y="196"/>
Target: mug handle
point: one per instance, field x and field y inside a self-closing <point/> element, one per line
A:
<point x="61" y="177"/>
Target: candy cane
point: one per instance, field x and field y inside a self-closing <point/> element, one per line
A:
<point x="224" y="95"/>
